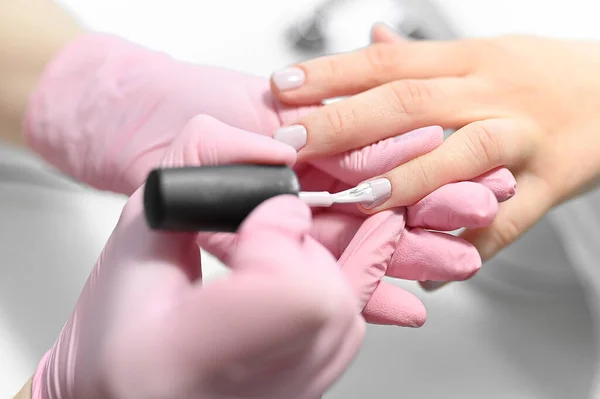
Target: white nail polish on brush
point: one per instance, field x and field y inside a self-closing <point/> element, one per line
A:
<point x="367" y="193"/>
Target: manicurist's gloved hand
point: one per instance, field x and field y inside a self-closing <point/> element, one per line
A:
<point x="283" y="325"/>
<point x="396" y="243"/>
<point x="105" y="110"/>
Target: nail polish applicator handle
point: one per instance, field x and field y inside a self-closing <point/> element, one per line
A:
<point x="212" y="198"/>
<point x="219" y="198"/>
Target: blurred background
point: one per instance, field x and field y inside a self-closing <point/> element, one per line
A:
<point x="515" y="331"/>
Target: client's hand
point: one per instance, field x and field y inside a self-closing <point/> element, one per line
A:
<point x="527" y="103"/>
<point x="285" y="324"/>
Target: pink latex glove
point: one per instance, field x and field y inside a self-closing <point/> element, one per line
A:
<point x="106" y="110"/>
<point x="283" y="325"/>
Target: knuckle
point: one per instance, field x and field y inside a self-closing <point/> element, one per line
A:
<point x="380" y="58"/>
<point x="332" y="68"/>
<point x="419" y="180"/>
<point x="421" y="172"/>
<point x="410" y="96"/>
<point x="506" y="232"/>
<point x="338" y="122"/>
<point x="532" y="136"/>
<point x="482" y="146"/>
<point x="474" y="52"/>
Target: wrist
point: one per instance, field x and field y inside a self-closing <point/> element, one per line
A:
<point x="38" y="387"/>
<point x="33" y="388"/>
<point x="26" y="391"/>
<point x="85" y="106"/>
<point x="30" y="36"/>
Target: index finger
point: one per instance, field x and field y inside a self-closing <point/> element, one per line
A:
<point x="354" y="72"/>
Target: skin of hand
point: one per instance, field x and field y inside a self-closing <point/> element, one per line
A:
<point x="131" y="102"/>
<point x="528" y="103"/>
<point x="282" y="325"/>
<point x="31" y="33"/>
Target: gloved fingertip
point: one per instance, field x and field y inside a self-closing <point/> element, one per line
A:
<point x="432" y="286"/>
<point x="206" y="140"/>
<point x="285" y="214"/>
<point x="454" y="206"/>
<point x="263" y="148"/>
<point x="427" y="137"/>
<point x="272" y="238"/>
<point x="392" y="305"/>
<point x="431" y="255"/>
<point x="499" y="181"/>
<point x="479" y="216"/>
<point x="468" y="262"/>
<point x="480" y="211"/>
<point x="367" y="256"/>
<point x="507" y="194"/>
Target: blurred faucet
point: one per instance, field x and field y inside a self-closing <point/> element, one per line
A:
<point x="424" y="20"/>
<point x="415" y="19"/>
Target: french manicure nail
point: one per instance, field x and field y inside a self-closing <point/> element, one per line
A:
<point x="294" y="136"/>
<point x="289" y="78"/>
<point x="384" y="26"/>
<point x="432" y="285"/>
<point x="382" y="190"/>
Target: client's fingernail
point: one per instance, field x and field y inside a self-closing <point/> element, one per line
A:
<point x="294" y="136"/>
<point x="390" y="34"/>
<point x="432" y="285"/>
<point x="382" y="190"/>
<point x="289" y="78"/>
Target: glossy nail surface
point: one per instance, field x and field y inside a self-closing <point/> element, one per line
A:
<point x="382" y="190"/>
<point x="294" y="136"/>
<point x="289" y="78"/>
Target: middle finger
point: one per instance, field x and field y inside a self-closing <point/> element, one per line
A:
<point x="381" y="113"/>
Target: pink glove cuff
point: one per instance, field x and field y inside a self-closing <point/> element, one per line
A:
<point x="69" y="110"/>
<point x="37" y="386"/>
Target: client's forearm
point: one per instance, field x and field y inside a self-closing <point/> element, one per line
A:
<point x="25" y="392"/>
<point x="31" y="32"/>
